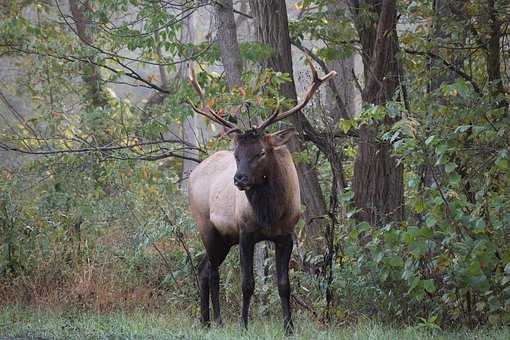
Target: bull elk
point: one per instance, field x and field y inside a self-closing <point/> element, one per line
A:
<point x="243" y="197"/>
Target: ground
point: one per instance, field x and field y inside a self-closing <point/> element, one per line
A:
<point x="31" y="323"/>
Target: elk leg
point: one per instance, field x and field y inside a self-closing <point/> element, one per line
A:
<point x="217" y="248"/>
<point x="284" y="246"/>
<point x="246" y="249"/>
<point x="204" y="291"/>
<point x="216" y="259"/>
<point x="214" y="284"/>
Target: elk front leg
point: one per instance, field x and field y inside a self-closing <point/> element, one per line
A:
<point x="284" y="246"/>
<point x="246" y="249"/>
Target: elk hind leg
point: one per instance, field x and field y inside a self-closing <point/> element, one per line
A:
<point x="204" y="270"/>
<point x="284" y="245"/>
<point x="217" y="249"/>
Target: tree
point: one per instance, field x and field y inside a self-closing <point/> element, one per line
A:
<point x="226" y="35"/>
<point x="191" y="128"/>
<point x="378" y="178"/>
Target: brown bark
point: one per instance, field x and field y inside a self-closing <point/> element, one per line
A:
<point x="92" y="76"/>
<point x="227" y="39"/>
<point x="343" y="85"/>
<point x="158" y="97"/>
<point x="272" y="30"/>
<point x="378" y="179"/>
<point x="493" y="58"/>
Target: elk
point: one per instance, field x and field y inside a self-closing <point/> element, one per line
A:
<point x="243" y="197"/>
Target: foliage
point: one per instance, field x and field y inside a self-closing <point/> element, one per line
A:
<point x="108" y="228"/>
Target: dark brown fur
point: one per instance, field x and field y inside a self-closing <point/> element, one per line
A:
<point x="265" y="198"/>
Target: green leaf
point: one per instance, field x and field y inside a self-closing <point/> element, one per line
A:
<point x="335" y="53"/>
<point x="430" y="221"/>
<point x="345" y="125"/>
<point x="378" y="257"/>
<point x="419" y="248"/>
<point x="414" y="283"/>
<point x="420" y="206"/>
<point x="450" y="167"/>
<point x="454" y="179"/>
<point x="480" y="225"/>
<point x="426" y="232"/>
<point x="363" y="226"/>
<point x="394" y="261"/>
<point x="441" y="149"/>
<point x="429" y="286"/>
<point x="502" y="163"/>
<point x="505" y="280"/>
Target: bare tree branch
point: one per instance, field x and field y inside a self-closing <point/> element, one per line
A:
<point x="103" y="149"/>
<point x="338" y="98"/>
<point x="451" y="67"/>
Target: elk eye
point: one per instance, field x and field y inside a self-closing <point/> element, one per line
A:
<point x="261" y="154"/>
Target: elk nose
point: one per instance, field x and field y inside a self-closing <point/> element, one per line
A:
<point x="240" y="180"/>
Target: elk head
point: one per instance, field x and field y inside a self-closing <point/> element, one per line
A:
<point x="254" y="156"/>
<point x="253" y="148"/>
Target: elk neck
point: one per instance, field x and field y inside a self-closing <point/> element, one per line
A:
<point x="269" y="198"/>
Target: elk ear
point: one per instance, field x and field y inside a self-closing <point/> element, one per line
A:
<point x="281" y="137"/>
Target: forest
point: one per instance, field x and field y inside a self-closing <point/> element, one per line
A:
<point x="402" y="156"/>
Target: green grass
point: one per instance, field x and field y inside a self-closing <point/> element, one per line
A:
<point x="19" y="322"/>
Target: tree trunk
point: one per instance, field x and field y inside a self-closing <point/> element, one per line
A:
<point x="227" y="39"/>
<point x="191" y="125"/>
<point x="378" y="179"/>
<point x="493" y="58"/>
<point x="343" y="98"/>
<point x="91" y="75"/>
<point x="345" y="81"/>
<point x="272" y="30"/>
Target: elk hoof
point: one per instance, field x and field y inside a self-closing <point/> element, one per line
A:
<point x="289" y="329"/>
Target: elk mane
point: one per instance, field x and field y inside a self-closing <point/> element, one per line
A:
<point x="266" y="198"/>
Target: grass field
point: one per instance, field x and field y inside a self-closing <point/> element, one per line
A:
<point x="24" y="323"/>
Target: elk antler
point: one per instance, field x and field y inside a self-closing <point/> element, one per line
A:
<point x="317" y="82"/>
<point x="217" y="118"/>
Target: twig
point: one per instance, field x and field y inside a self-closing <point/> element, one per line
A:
<point x="184" y="246"/>
<point x="103" y="149"/>
<point x="304" y="305"/>
<point x="338" y="98"/>
<point x="450" y="66"/>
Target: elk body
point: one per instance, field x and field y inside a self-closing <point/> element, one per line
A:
<point x="243" y="197"/>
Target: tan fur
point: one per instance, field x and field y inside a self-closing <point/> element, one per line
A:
<point x="214" y="199"/>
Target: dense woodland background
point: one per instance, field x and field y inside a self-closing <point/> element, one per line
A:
<point x="403" y="158"/>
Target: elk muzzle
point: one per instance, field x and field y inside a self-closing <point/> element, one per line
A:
<point x="241" y="181"/>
